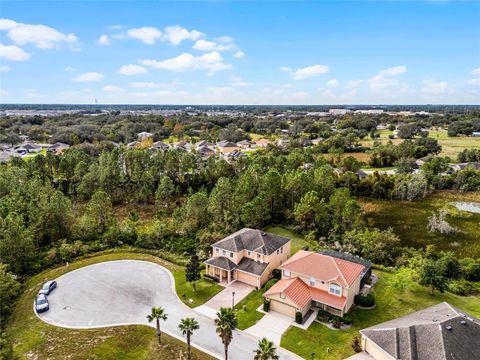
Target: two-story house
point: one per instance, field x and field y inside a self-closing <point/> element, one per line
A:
<point x="248" y="256"/>
<point x="311" y="279"/>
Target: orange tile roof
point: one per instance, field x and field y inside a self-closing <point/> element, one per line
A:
<point x="301" y="294"/>
<point x="323" y="267"/>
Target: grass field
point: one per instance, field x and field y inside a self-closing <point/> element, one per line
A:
<point x="409" y="221"/>
<point x="34" y="339"/>
<point x="336" y="344"/>
<point x="451" y="146"/>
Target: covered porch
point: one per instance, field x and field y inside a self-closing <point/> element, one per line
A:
<point x="220" y="268"/>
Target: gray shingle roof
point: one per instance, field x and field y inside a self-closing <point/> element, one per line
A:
<point x="253" y="240"/>
<point x="252" y="266"/>
<point x="221" y="262"/>
<point x="439" y="332"/>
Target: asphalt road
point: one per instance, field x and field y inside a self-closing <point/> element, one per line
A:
<point x="123" y="293"/>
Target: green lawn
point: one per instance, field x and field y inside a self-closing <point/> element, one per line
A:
<point x="451" y="146"/>
<point x="409" y="221"/>
<point x="247" y="314"/>
<point x="336" y="344"/>
<point x="34" y="339"/>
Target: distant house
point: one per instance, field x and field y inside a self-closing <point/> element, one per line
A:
<point x="248" y="256"/>
<point x="312" y="279"/>
<point x="439" y="332"/>
<point x="58" y="148"/>
<point x="205" y="151"/>
<point x="144" y="135"/>
<point x="461" y="166"/>
<point x="283" y="142"/>
<point x="476" y="133"/>
<point x="202" y="143"/>
<point x="23" y="137"/>
<point x="7" y="155"/>
<point x="132" y="145"/>
<point x="361" y="174"/>
<point x="182" y="146"/>
<point x="245" y="144"/>
<point x="234" y="155"/>
<point x="226" y="147"/>
<point x="263" y="143"/>
<point x="317" y="141"/>
<point x="423" y="160"/>
<point x="32" y="147"/>
<point x="160" y="145"/>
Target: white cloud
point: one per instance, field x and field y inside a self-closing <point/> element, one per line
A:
<point x="176" y="34"/>
<point x="112" y="88"/>
<point x="89" y="76"/>
<point x="211" y="62"/>
<point x="435" y="88"/>
<point x="353" y="84"/>
<point x="68" y="68"/>
<point x="146" y="34"/>
<point x="206" y="45"/>
<point x="13" y="53"/>
<point x="238" y="82"/>
<point x="476" y="71"/>
<point x="41" y="36"/>
<point x="5" y="68"/>
<point x="474" y="81"/>
<point x="104" y="40"/>
<point x="132" y="69"/>
<point x="333" y="83"/>
<point x="239" y="55"/>
<point x="306" y="72"/>
<point x="386" y="79"/>
<point x="145" y="85"/>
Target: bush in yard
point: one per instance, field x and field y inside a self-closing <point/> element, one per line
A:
<point x="266" y="305"/>
<point x="269" y="284"/>
<point x="277" y="274"/>
<point x="365" y="300"/>
<point x="356" y="344"/>
<point x="298" y="317"/>
<point x="324" y="316"/>
<point x="347" y="319"/>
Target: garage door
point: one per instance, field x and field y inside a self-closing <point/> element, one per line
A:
<point x="282" y="308"/>
<point x="247" y="278"/>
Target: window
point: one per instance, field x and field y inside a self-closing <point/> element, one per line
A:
<point x="311" y="282"/>
<point x="249" y="253"/>
<point x="224" y="252"/>
<point x="231" y="254"/>
<point x="278" y="251"/>
<point x="282" y="295"/>
<point x="217" y="250"/>
<point x="286" y="273"/>
<point x="281" y="249"/>
<point x="335" y="289"/>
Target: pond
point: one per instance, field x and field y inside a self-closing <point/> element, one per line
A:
<point x="467" y="206"/>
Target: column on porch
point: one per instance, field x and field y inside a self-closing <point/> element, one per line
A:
<point x="228" y="276"/>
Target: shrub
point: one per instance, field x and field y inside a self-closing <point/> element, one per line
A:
<point x="210" y="277"/>
<point x="266" y="305"/>
<point x="298" y="317"/>
<point x="356" y="344"/>
<point x="347" y="319"/>
<point x="463" y="287"/>
<point x="365" y="300"/>
<point x="269" y="284"/>
<point x="277" y="274"/>
<point x="324" y="316"/>
<point x="305" y="247"/>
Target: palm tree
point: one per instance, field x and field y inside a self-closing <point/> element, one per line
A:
<point x="187" y="326"/>
<point x="226" y="321"/>
<point x="157" y="314"/>
<point x="266" y="350"/>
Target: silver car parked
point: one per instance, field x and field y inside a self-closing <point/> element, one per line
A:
<point x="41" y="303"/>
<point x="48" y="287"/>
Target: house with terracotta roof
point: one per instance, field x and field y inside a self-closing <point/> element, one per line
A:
<point x="311" y="279"/>
<point x="263" y="143"/>
<point x="248" y="255"/>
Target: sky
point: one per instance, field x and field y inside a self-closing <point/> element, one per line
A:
<point x="224" y="52"/>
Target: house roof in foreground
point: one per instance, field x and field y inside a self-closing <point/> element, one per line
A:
<point x="254" y="240"/>
<point x="439" y="332"/>
<point x="251" y="266"/>
<point x="221" y="262"/>
<point x="301" y="294"/>
<point x="323" y="267"/>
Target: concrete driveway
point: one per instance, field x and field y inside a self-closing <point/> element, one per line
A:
<point x="123" y="293"/>
<point x="272" y="326"/>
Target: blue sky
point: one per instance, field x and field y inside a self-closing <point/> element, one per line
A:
<point x="220" y="52"/>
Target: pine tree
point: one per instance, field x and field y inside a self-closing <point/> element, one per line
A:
<point x="193" y="270"/>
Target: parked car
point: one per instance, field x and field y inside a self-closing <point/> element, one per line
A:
<point x="48" y="287"/>
<point x="41" y="303"/>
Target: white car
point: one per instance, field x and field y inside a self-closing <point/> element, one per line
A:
<point x="41" y="303"/>
<point x="48" y="287"/>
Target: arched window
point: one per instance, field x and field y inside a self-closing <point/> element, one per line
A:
<point x="335" y="289"/>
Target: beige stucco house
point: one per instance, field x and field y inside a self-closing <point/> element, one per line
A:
<point x="248" y="256"/>
<point x="311" y="279"/>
